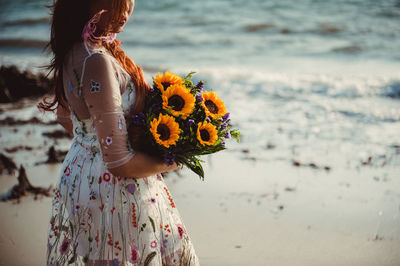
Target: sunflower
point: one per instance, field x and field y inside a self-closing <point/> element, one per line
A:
<point x="207" y="134"/>
<point x="179" y="100"/>
<point x="165" y="130"/>
<point x="163" y="81"/>
<point x="213" y="105"/>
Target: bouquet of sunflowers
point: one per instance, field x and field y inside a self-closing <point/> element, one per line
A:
<point x="181" y="121"/>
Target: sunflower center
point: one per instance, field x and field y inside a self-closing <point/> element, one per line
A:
<point x="176" y="102"/>
<point x="166" y="85"/>
<point x="205" y="136"/>
<point x="211" y="106"/>
<point x="164" y="132"/>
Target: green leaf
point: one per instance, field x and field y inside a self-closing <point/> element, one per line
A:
<point x="236" y="135"/>
<point x="195" y="166"/>
<point x="71" y="226"/>
<point x="189" y="76"/>
<point x="152" y="224"/>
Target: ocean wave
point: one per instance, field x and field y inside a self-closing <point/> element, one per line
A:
<point x="26" y="22"/>
<point x="392" y="90"/>
<point x="350" y="49"/>
<point x="22" y="43"/>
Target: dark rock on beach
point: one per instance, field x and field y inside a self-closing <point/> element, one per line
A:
<point x="54" y="156"/>
<point x="24" y="187"/>
<point x="57" y="134"/>
<point x="16" y="84"/>
<point x="311" y="165"/>
<point x="7" y="164"/>
<point x="18" y="148"/>
<point x="9" y="121"/>
<point x="327" y="29"/>
<point x="348" y="49"/>
<point x="258" y="27"/>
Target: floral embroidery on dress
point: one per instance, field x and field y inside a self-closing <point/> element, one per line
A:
<point x="131" y="188"/>
<point x="120" y="124"/>
<point x="69" y="86"/>
<point x="109" y="141"/>
<point x="99" y="216"/>
<point x="94" y="86"/>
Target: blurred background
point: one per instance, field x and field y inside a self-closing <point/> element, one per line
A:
<point x="312" y="75"/>
<point x="314" y="87"/>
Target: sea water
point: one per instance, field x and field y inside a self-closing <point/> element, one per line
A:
<point x="312" y="82"/>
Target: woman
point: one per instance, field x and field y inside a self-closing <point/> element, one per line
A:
<point x="111" y="206"/>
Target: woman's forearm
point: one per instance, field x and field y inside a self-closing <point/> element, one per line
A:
<point x="141" y="166"/>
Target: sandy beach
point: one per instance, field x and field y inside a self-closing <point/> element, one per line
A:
<point x="248" y="211"/>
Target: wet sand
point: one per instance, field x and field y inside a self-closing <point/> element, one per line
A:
<point x="250" y="213"/>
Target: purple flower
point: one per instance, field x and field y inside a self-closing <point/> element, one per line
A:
<point x="190" y="122"/>
<point x="170" y="157"/>
<point x="199" y="98"/>
<point x="138" y="119"/>
<point x="208" y="119"/>
<point x="227" y="135"/>
<point x="156" y="107"/>
<point x="135" y="257"/>
<point x="199" y="86"/>
<point x="64" y="246"/>
<point x="225" y="117"/>
<point x="223" y="126"/>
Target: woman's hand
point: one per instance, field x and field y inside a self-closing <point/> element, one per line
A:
<point x="172" y="167"/>
<point x="142" y="165"/>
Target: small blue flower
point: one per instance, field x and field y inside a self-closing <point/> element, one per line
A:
<point x="208" y="119"/>
<point x="69" y="86"/>
<point x="228" y="135"/>
<point x="131" y="188"/>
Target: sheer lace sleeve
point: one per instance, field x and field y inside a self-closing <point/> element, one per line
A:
<point x="101" y="92"/>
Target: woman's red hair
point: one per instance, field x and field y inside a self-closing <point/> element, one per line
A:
<point x="66" y="29"/>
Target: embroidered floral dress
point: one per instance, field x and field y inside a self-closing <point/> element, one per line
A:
<point x="97" y="216"/>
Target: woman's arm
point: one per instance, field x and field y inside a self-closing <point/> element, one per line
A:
<point x="63" y="118"/>
<point x="141" y="166"/>
<point x="101" y="92"/>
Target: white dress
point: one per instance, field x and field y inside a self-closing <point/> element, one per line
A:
<point x="98" y="216"/>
